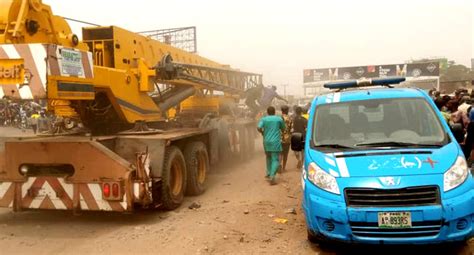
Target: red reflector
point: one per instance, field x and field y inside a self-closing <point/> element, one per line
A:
<point x="106" y="189"/>
<point x="115" y="190"/>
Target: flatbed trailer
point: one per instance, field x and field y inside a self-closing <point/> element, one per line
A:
<point x="113" y="173"/>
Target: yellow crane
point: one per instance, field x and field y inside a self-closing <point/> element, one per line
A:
<point x="106" y="79"/>
<point x="110" y="81"/>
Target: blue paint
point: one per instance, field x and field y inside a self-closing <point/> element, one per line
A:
<point x="386" y="169"/>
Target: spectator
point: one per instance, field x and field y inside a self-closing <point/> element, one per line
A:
<point x="464" y="105"/>
<point x="305" y="113"/>
<point x="34" y="122"/>
<point x="299" y="126"/>
<point x="469" y="142"/>
<point x="43" y="122"/>
<point x="441" y="105"/>
<point x="457" y="116"/>
<point x="270" y="127"/>
<point x="285" y="136"/>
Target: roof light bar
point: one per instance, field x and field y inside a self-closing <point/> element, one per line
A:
<point x="365" y="83"/>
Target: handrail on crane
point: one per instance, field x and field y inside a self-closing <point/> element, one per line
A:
<point x="222" y="79"/>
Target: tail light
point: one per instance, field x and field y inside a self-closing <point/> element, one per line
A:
<point x="106" y="190"/>
<point x="115" y="190"/>
<point x="112" y="191"/>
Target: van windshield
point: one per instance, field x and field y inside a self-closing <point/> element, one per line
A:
<point x="400" y="122"/>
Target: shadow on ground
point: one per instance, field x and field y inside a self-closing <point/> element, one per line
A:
<point x="343" y="249"/>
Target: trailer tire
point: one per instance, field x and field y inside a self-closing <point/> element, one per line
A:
<point x="197" y="164"/>
<point x="173" y="179"/>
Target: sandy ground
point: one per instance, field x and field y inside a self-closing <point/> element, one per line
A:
<point x="237" y="216"/>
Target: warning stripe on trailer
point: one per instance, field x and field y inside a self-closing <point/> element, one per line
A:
<point x="53" y="193"/>
<point x="46" y="193"/>
<point x="7" y="193"/>
<point x="91" y="199"/>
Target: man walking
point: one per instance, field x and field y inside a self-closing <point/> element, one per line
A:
<point x="270" y="127"/>
<point x="285" y="136"/>
<point x="300" y="124"/>
<point x="34" y="122"/>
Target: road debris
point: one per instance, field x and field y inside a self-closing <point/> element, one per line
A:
<point x="194" y="206"/>
<point x="281" y="220"/>
<point x="291" y="211"/>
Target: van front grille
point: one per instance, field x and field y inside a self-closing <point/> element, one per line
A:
<point x="412" y="196"/>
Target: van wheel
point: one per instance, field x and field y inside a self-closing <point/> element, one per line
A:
<point x="312" y="237"/>
<point x="197" y="164"/>
<point x="173" y="179"/>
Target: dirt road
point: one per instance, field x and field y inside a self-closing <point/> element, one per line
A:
<point x="237" y="216"/>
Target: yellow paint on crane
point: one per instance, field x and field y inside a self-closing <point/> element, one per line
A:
<point x="123" y="63"/>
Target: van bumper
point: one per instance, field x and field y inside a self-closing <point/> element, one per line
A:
<point x="452" y="221"/>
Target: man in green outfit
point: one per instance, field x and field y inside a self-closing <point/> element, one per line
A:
<point x="270" y="127"/>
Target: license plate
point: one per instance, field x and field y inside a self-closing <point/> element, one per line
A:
<point x="42" y="193"/>
<point x="395" y="220"/>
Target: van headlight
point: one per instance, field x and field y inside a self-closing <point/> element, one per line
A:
<point x="323" y="180"/>
<point x="456" y="175"/>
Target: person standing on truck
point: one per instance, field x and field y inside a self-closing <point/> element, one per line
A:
<point x="271" y="127"/>
<point x="268" y="94"/>
<point x="251" y="97"/>
<point x="300" y="124"/>
<point x="285" y="136"/>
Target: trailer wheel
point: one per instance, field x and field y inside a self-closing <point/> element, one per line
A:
<point x="197" y="164"/>
<point x="173" y="179"/>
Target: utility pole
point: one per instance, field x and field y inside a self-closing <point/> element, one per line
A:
<point x="284" y="88"/>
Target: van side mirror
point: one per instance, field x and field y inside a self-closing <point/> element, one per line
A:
<point x="297" y="142"/>
<point x="458" y="132"/>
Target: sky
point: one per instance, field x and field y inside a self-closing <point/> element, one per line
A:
<point x="282" y="38"/>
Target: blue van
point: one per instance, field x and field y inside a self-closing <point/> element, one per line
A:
<point x="383" y="166"/>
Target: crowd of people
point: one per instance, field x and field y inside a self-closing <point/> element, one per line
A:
<point x="23" y="115"/>
<point x="457" y="110"/>
<point x="277" y="132"/>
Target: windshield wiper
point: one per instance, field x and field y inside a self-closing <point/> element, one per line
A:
<point x="334" y="146"/>
<point x="398" y="144"/>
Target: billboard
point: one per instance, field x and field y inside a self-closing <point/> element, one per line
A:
<point x="423" y="69"/>
<point x="380" y="71"/>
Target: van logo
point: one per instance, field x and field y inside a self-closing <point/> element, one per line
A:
<point x="411" y="164"/>
<point x="431" y="162"/>
<point x="390" y="181"/>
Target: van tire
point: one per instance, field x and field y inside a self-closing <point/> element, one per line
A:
<point x="312" y="238"/>
<point x="197" y="165"/>
<point x="173" y="179"/>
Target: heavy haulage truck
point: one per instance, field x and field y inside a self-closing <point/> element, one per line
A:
<point x="117" y="87"/>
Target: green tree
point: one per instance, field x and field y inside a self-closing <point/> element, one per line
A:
<point x="456" y="72"/>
